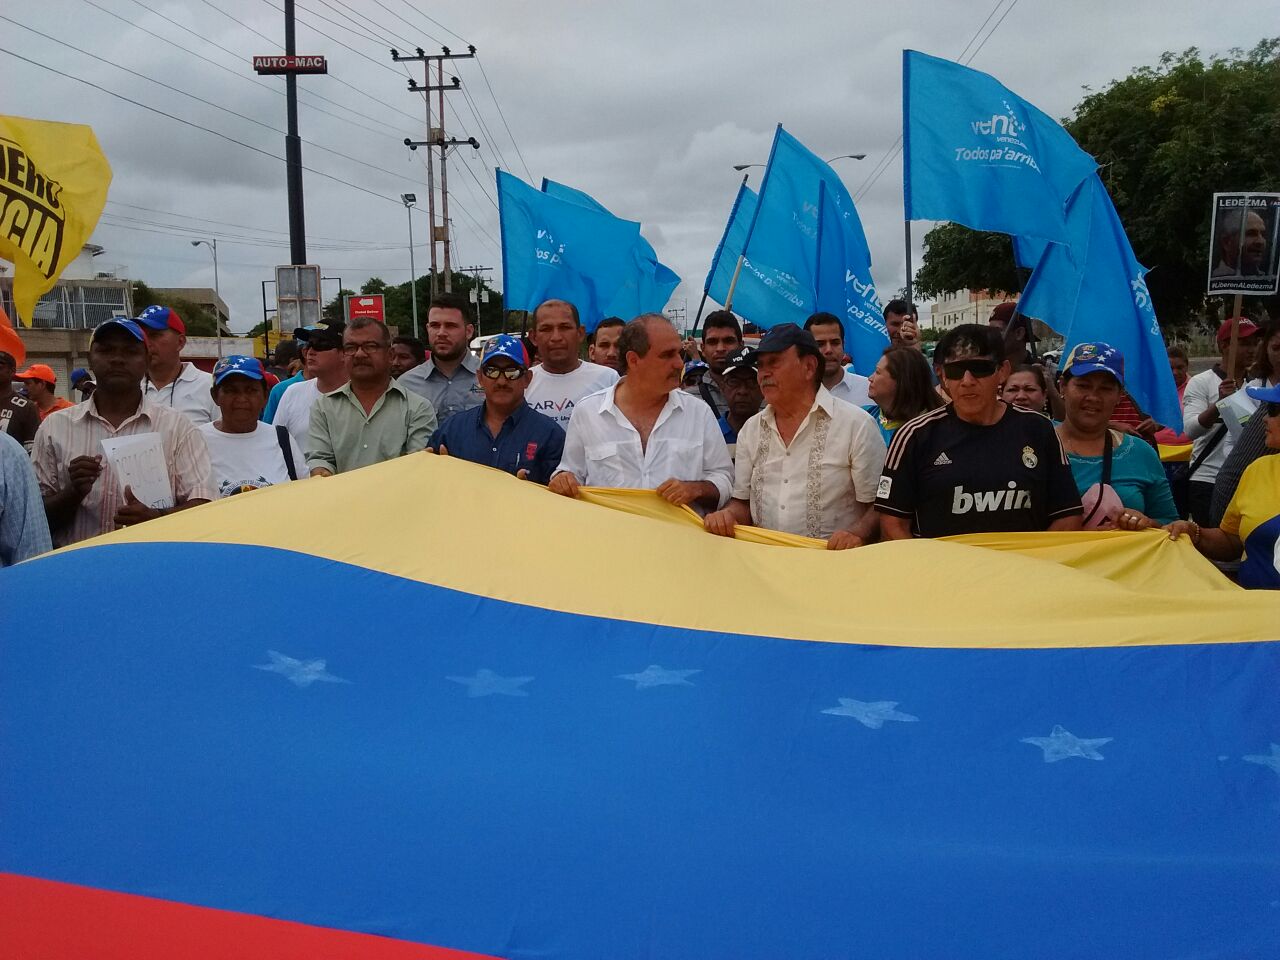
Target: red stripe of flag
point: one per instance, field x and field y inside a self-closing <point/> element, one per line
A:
<point x="61" y="921"/>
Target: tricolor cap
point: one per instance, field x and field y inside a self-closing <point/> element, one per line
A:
<point x="157" y="317"/>
<point x="237" y="366"/>
<point x="39" y="371"/>
<point x="1247" y="329"/>
<point x="505" y="345"/>
<point x="1092" y="358"/>
<point x="694" y="366"/>
<point x="130" y="327"/>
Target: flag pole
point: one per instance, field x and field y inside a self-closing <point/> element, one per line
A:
<point x="1235" y="334"/>
<point x="907" y="227"/>
<point x="715" y="261"/>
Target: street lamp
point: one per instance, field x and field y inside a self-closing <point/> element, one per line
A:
<point x="217" y="293"/>
<point x="844" y="156"/>
<point x="409" y="199"/>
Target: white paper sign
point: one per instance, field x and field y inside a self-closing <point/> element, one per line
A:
<point x="1236" y="411"/>
<point x="138" y="462"/>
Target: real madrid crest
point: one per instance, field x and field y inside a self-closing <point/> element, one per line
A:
<point x="1029" y="458"/>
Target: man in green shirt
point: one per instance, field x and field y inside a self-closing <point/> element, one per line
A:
<point x="371" y="418"/>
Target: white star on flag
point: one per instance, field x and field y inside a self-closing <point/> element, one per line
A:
<point x="1060" y="745"/>
<point x="486" y="683"/>
<point x="301" y="673"/>
<point x="870" y="713"/>
<point x="656" y="676"/>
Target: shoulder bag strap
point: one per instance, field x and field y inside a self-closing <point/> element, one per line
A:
<point x="286" y="450"/>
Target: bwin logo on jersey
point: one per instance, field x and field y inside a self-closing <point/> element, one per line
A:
<point x="986" y="501"/>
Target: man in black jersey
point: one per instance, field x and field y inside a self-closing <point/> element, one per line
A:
<point x="977" y="465"/>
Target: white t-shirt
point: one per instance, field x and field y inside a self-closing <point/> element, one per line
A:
<point x="294" y="411"/>
<point x="248" y="461"/>
<point x="555" y="394"/>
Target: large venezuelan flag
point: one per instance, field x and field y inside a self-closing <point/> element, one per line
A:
<point x="425" y="710"/>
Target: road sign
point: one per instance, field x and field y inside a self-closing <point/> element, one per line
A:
<point x="290" y="64"/>
<point x="297" y="296"/>
<point x="368" y="305"/>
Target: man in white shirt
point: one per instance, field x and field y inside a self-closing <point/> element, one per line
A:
<point x="808" y="463"/>
<point x="561" y="379"/>
<point x="170" y="381"/>
<point x="1202" y="420"/>
<point x="828" y="332"/>
<point x="247" y="454"/>
<point x="326" y="371"/>
<point x="645" y="432"/>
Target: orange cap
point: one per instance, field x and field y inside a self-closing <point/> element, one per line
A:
<point x="39" y="371"/>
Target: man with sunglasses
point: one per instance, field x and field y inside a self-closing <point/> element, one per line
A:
<point x="324" y="371"/>
<point x="978" y="464"/>
<point x="504" y="431"/>
<point x="371" y="417"/>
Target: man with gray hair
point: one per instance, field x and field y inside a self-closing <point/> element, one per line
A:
<point x="1241" y="239"/>
<point x="644" y="432"/>
<point x="371" y="417"/>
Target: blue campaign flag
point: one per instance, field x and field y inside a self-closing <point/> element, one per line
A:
<point x="650" y="283"/>
<point x="725" y="262"/>
<point x="976" y="153"/>
<point x="781" y="250"/>
<point x="1104" y="298"/>
<point x="840" y="291"/>
<point x="562" y="249"/>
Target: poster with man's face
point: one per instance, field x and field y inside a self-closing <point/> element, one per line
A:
<point x="1243" y="244"/>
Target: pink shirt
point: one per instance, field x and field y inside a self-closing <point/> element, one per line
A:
<point x="79" y="432"/>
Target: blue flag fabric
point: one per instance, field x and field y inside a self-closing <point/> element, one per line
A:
<point x="783" y="239"/>
<point x="650" y="284"/>
<point x="976" y="153"/>
<point x="841" y="292"/>
<point x="562" y="249"/>
<point x="732" y="243"/>
<point x="1104" y="298"/>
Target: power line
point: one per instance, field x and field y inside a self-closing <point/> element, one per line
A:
<point x="432" y="20"/>
<point x="189" y="123"/>
<point x="225" y="223"/>
<point x="494" y="97"/>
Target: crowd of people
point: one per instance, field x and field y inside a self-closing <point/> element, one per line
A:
<point x="782" y="434"/>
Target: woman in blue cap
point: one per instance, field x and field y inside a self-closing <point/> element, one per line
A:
<point x="1252" y="522"/>
<point x="1121" y="481"/>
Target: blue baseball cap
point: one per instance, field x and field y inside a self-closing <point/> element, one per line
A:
<point x="1092" y="358"/>
<point x="695" y="366"/>
<point x="79" y="375"/>
<point x="1265" y="394"/>
<point x="785" y="335"/>
<point x="237" y="365"/>
<point x="119" y="323"/>
<point x="505" y="345"/>
<point x="156" y="317"/>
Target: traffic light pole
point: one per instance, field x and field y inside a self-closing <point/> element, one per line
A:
<point x="293" y="150"/>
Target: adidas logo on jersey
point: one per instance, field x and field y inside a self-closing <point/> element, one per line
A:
<point x="942" y="461"/>
<point x="984" y="501"/>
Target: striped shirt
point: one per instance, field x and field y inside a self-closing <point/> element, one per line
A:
<point x="79" y="432"/>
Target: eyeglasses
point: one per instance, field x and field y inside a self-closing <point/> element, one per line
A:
<point x="980" y="367"/>
<point x="351" y="349"/>
<point x="511" y="373"/>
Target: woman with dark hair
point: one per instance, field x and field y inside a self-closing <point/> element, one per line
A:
<point x="1027" y="388"/>
<point x="1120" y="478"/>
<point x="1266" y="369"/>
<point x="902" y="389"/>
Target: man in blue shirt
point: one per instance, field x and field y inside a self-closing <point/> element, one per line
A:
<point x="504" y="431"/>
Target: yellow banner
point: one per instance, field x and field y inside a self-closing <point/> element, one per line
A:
<point x="53" y="184"/>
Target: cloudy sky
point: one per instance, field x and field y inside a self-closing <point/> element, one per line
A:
<point x="644" y="105"/>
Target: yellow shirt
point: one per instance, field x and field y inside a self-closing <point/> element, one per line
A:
<point x="1256" y="500"/>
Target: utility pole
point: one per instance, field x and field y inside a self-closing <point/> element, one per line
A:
<point x="475" y="272"/>
<point x="291" y="65"/>
<point x="436" y="138"/>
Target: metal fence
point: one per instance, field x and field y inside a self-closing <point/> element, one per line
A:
<point x="75" y="306"/>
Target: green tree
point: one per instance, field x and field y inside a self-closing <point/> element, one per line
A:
<point x="1166" y="138"/>
<point x="198" y="321"/>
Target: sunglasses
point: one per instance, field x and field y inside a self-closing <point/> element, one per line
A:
<point x="980" y="367"/>
<point x="321" y="347"/>
<point x="511" y="373"/>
